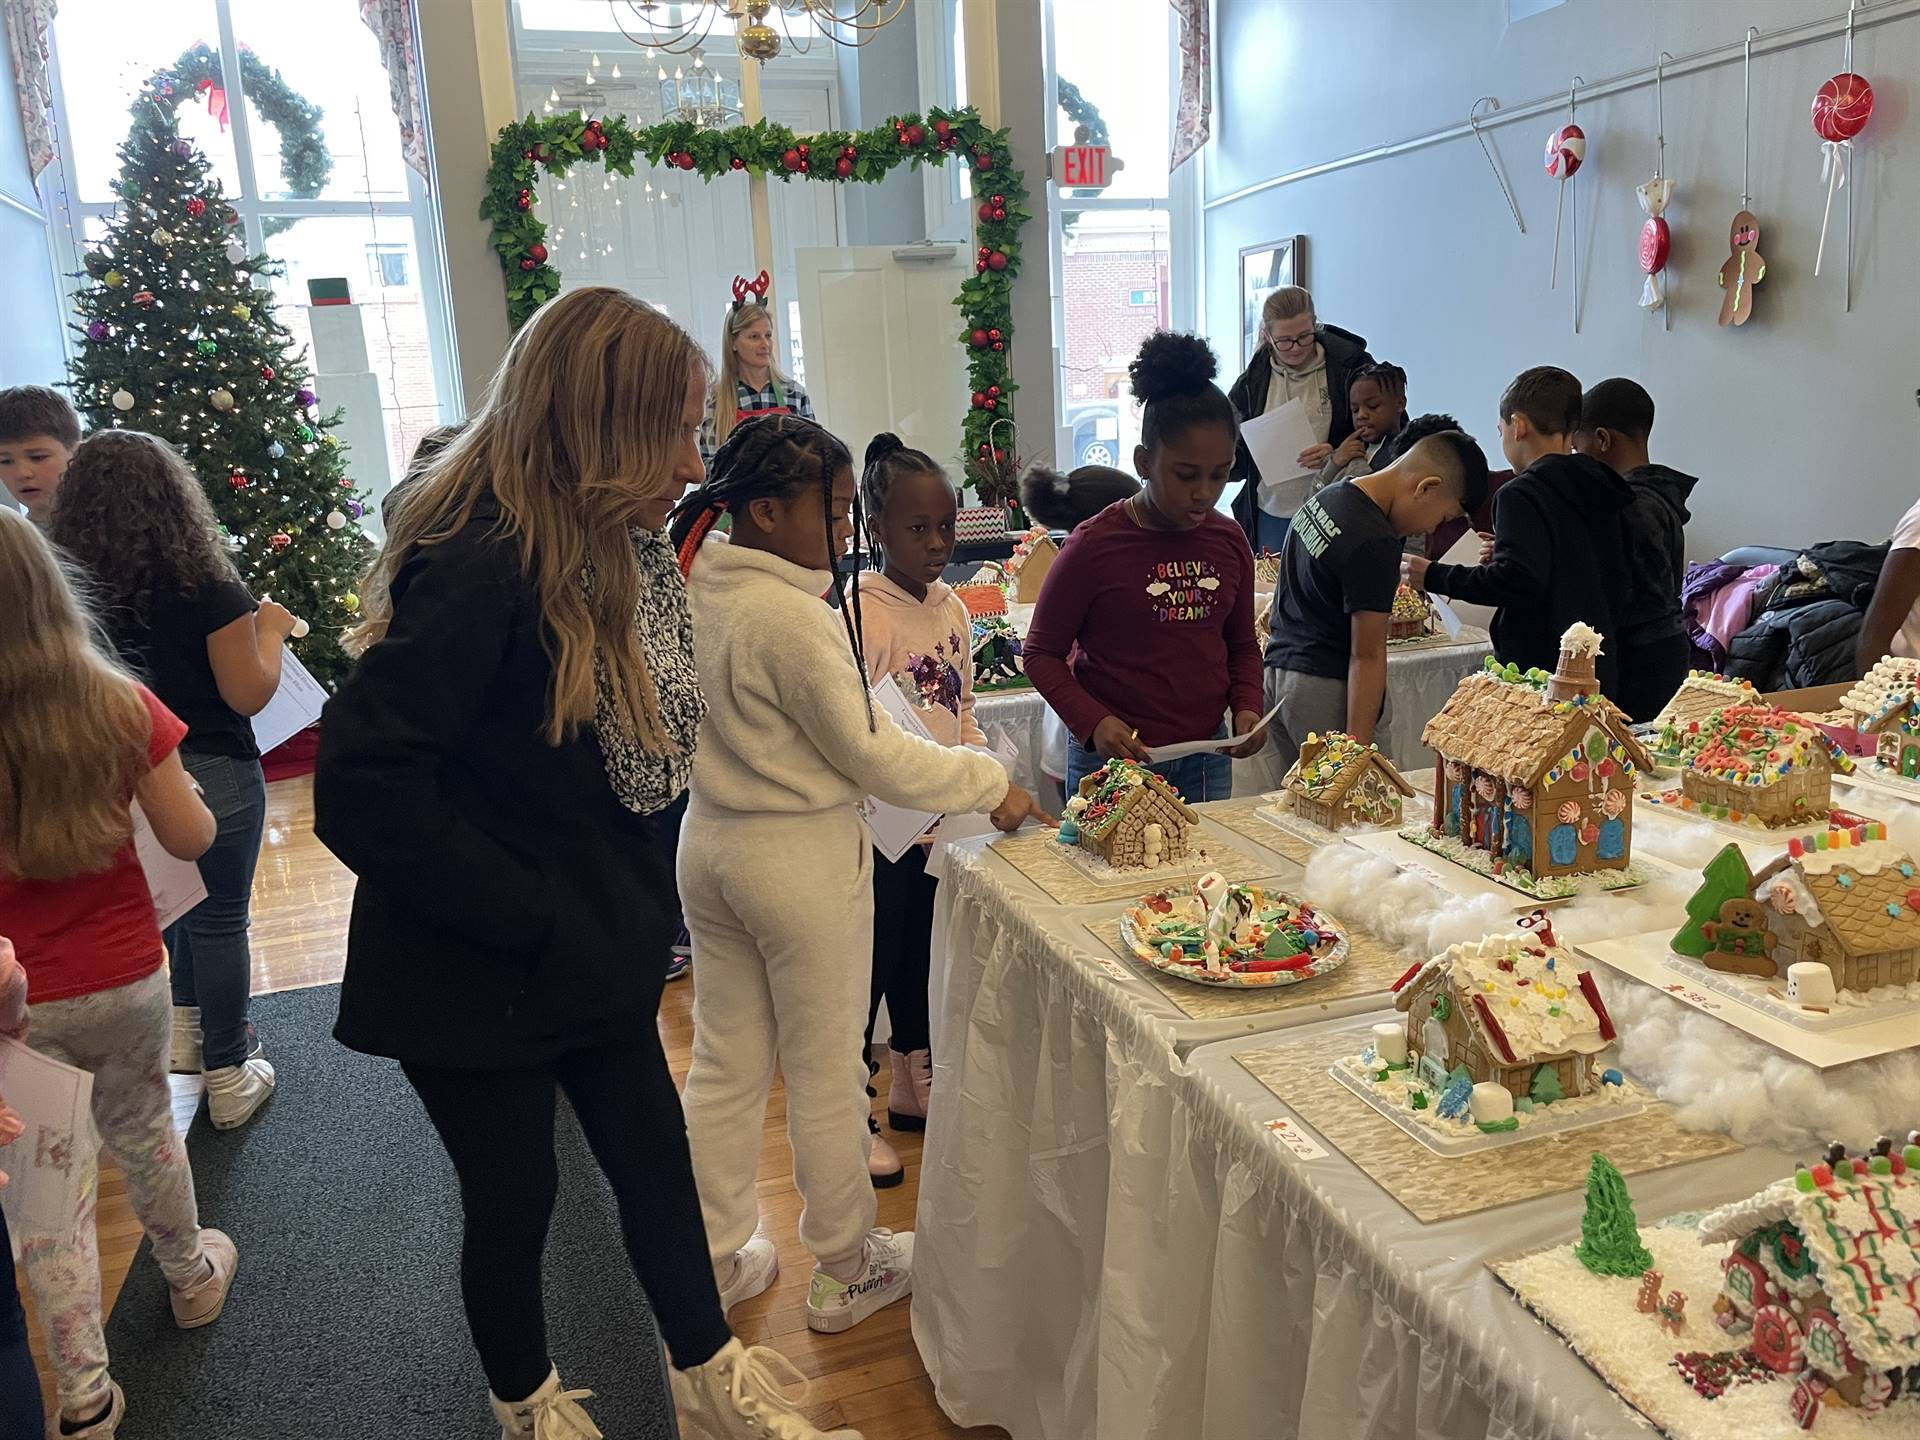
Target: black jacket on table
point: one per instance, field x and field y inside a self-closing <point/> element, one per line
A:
<point x="1346" y="353"/>
<point x="509" y="907"/>
<point x="1559" y="555"/>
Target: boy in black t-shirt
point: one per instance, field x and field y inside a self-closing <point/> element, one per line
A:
<point x="1327" y="654"/>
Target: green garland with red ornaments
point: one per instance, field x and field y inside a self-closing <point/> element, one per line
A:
<point x="557" y="143"/>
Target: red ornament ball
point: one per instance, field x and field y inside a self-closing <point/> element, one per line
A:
<point x="279" y="540"/>
<point x="983" y="163"/>
<point x="993" y="334"/>
<point x="526" y="263"/>
<point x="196" y="207"/>
<point x="916" y="134"/>
<point x="791" y="159"/>
<point x="524" y="200"/>
<point x="997" y="260"/>
<point x="537" y="253"/>
<point x="992" y="404"/>
<point x="979" y="267"/>
<point x="978" y="339"/>
<point x="998" y="201"/>
<point x="999" y="345"/>
<point x="266" y="372"/>
<point x="942" y="128"/>
<point x="999" y="214"/>
<point x="736" y="163"/>
<point x="986" y="211"/>
<point x="994" y="391"/>
<point x="979" y="399"/>
<point x="843" y="167"/>
<point x="237" y="481"/>
<point x="805" y="151"/>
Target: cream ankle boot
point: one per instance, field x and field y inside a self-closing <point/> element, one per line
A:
<point x="741" y="1394"/>
<point x="911" y="1090"/>
<point x="550" y="1413"/>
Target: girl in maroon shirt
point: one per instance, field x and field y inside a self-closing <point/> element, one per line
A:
<point x="1144" y="633"/>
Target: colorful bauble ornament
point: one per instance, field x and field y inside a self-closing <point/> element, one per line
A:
<point x="196" y="207"/>
<point x="978" y="339"/>
<point x="304" y="398"/>
<point x="275" y="449"/>
<point x="300" y="628"/>
<point x="183" y="150"/>
<point x="237" y="481"/>
<point x="99" y="330"/>
<point x="207" y="347"/>
<point x="915" y="135"/>
<point x="241" y="312"/>
<point x="279" y="540"/>
<point x="791" y="159"/>
<point x="526" y="262"/>
<point x="537" y="253"/>
<point x="329" y="439"/>
<point x="266" y="372"/>
<point x="843" y="167"/>
<point x="336" y="520"/>
<point x="942" y="128"/>
<point x="1841" y="109"/>
<point x="351" y="603"/>
<point x="143" y="298"/>
<point x="162" y="235"/>
<point x="236" y="252"/>
<point x="356" y="509"/>
<point x="736" y="163"/>
<point x="997" y="260"/>
<point x="96" y="264"/>
<point x="304" y="433"/>
<point x="222" y="399"/>
<point x="523" y="200"/>
<point x="113" y="279"/>
<point x="130" y="189"/>
<point x="123" y="399"/>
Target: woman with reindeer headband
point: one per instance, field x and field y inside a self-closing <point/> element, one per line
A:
<point x="749" y="383"/>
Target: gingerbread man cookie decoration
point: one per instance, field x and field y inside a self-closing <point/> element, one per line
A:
<point x="1744" y="269"/>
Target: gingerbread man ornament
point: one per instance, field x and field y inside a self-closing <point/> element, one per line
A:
<point x="1744" y="269"/>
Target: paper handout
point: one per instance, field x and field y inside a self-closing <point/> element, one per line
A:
<point x="45" y="1165"/>
<point x="1182" y="748"/>
<point x="294" y="706"/>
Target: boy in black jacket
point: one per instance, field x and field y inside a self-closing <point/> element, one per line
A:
<point x="1559" y="552"/>
<point x="1616" y="417"/>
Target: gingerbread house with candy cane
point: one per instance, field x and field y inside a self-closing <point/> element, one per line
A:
<point x="1535" y="772"/>
<point x="1821" y="1279"/>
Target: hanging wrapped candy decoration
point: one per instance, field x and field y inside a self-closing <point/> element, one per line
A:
<point x="1841" y="109"/>
<point x="1656" y="241"/>
<point x="1566" y="152"/>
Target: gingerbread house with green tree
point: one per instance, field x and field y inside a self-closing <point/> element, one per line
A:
<point x="1885" y="705"/>
<point x="1338" y="783"/>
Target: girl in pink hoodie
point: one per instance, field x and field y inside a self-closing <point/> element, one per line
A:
<point x="915" y="629"/>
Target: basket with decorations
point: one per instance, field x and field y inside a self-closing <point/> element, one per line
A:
<point x="1234" y="935"/>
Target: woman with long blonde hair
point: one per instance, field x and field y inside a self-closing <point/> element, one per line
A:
<point x="82" y="741"/>
<point x="749" y="382"/>
<point x="525" y="701"/>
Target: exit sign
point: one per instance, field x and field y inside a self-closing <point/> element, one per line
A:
<point x="1083" y="167"/>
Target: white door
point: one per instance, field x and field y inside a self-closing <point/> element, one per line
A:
<point x="882" y="344"/>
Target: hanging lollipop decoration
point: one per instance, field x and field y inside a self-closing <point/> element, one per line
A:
<point x="1566" y="152"/>
<point x="1656" y="241"/>
<point x="1745" y="267"/>
<point x="1841" y="109"/>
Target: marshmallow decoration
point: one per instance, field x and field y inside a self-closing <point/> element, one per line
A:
<point x="1810" y="983"/>
<point x="1390" y="1042"/>
<point x="1841" y="108"/>
<point x="1566" y="153"/>
<point x="1492" y="1102"/>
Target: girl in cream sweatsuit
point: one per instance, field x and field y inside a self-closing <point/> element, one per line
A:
<point x="774" y="865"/>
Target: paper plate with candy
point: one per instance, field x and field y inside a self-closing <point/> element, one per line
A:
<point x="1240" y="935"/>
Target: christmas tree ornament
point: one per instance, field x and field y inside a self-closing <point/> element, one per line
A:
<point x="113" y="279"/>
<point x="236" y="252"/>
<point x="99" y="330"/>
<point x="1566" y="153"/>
<point x="1841" y="109"/>
<point x="356" y="509"/>
<point x="243" y="312"/>
<point x="143" y="298"/>
<point x="351" y="602"/>
<point x="329" y="439"/>
<point x="266" y="372"/>
<point x="303" y="433"/>
<point x="336" y="520"/>
<point x="207" y="347"/>
<point x="123" y="400"/>
<point x="96" y="264"/>
<point x="537" y="253"/>
<point x="276" y="449"/>
<point x="300" y="628"/>
<point x="196" y="207"/>
<point x="1656" y="241"/>
<point x="279" y="540"/>
<point x="236" y="481"/>
<point x="1745" y="267"/>
<point x="130" y="188"/>
<point x="304" y="398"/>
<point x="162" y="236"/>
<point x="221" y="399"/>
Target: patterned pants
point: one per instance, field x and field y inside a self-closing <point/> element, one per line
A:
<point x="120" y="1035"/>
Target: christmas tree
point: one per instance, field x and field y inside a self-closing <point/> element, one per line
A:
<point x="1609" y="1233"/>
<point x="179" y="338"/>
<point x="1725" y="878"/>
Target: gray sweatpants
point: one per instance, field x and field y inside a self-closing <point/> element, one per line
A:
<point x="1308" y="703"/>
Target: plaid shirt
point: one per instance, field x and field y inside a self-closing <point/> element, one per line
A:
<point x="775" y="395"/>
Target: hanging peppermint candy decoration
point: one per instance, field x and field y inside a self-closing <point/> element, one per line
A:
<point x="1841" y="109"/>
<point x="1566" y="152"/>
<point x="1656" y="240"/>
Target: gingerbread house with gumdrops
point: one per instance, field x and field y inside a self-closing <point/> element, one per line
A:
<point x="1538" y="770"/>
<point x="1886" y="706"/>
<point x="1823" y="1280"/>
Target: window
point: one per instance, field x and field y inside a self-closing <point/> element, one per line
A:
<point x="300" y="132"/>
<point x="1143" y="297"/>
<point x="387" y="265"/>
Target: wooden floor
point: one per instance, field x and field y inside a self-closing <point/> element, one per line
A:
<point x="870" y="1377"/>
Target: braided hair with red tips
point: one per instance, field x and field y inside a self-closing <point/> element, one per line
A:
<point x="770" y="458"/>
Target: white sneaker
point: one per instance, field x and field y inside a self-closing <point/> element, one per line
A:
<point x="743" y="1394"/>
<point x="550" y="1413"/>
<point x="236" y="1091"/>
<point x="756" y="1266"/>
<point x="183" y="1050"/>
<point x="836" y="1305"/>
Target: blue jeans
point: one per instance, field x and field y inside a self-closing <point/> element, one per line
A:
<point x="212" y="965"/>
<point x="1197" y="777"/>
<point x="1270" y="531"/>
<point x="20" y="1412"/>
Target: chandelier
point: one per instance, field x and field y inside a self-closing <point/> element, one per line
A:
<point x="683" y="26"/>
<point x="703" y="99"/>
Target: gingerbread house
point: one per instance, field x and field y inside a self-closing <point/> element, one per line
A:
<point x="1129" y="817"/>
<point x="1510" y="1009"/>
<point x="1266" y="570"/>
<point x="1886" y="705"/>
<point x="1848" y="900"/>
<point x="1411" y="617"/>
<point x="1033" y="556"/>
<point x="1821" y="1278"/>
<point x="1537" y="771"/>
<point x="1761" y="761"/>
<point x="1680" y="730"/>
<point x="1337" y="782"/>
<point x="982" y="597"/>
<point x="999" y="661"/>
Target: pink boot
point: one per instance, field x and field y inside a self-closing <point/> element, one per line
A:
<point x="912" y="1086"/>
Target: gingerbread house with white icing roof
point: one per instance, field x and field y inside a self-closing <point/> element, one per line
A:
<point x="1886" y="705"/>
<point x="1504" y="1009"/>
<point x="1824" y="1278"/>
<point x="1849" y="900"/>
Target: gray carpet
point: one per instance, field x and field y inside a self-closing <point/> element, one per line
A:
<point x="345" y="1320"/>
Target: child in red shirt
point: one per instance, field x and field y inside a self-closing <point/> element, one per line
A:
<point x="82" y="741"/>
<point x="1143" y="634"/>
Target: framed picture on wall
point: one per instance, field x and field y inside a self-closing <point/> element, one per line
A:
<point x="1263" y="270"/>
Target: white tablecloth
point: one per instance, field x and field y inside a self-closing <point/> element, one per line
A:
<point x="1110" y="1248"/>
<point x="1019" y="717"/>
